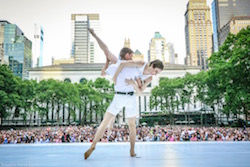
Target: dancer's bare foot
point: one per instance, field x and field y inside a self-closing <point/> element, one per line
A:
<point x="88" y="153"/>
<point x="132" y="153"/>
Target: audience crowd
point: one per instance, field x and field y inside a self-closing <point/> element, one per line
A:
<point x="72" y="134"/>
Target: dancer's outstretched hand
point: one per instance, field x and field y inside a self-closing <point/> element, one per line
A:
<point x="129" y="81"/>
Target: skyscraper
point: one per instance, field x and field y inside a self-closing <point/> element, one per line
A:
<point x="171" y="52"/>
<point x="157" y="48"/>
<point x="222" y="12"/>
<point x="198" y="33"/>
<point x="3" y="59"/>
<point x="18" y="49"/>
<point x="37" y="51"/>
<point x="1" y="55"/>
<point x="84" y="48"/>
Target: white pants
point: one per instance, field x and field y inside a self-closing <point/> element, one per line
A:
<point x="119" y="101"/>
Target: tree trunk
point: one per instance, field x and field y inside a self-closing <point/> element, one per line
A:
<point x="47" y="111"/>
<point x="63" y="112"/>
<point x="102" y="111"/>
<point x="85" y="114"/>
<point x="90" y="108"/>
<point x="30" y="119"/>
<point x="74" y="109"/>
<point x="246" y="113"/>
<point x="69" y="113"/>
<point x="52" y="110"/>
<point x="96" y="115"/>
<point x="25" y="116"/>
<point x="58" y="111"/>
<point x="80" y="112"/>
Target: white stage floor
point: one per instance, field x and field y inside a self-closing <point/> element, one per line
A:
<point x="153" y="154"/>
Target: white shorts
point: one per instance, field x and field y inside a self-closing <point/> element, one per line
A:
<point x="120" y="101"/>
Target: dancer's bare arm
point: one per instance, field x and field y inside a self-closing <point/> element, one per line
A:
<point x="133" y="83"/>
<point x="103" y="72"/>
<point x="110" y="56"/>
<point x="139" y="82"/>
<point x="138" y="89"/>
<point x="146" y="83"/>
<point x="129" y="63"/>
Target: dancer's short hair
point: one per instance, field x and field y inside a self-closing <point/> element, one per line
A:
<point x="157" y="64"/>
<point x="124" y="51"/>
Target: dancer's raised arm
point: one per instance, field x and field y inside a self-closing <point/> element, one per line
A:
<point x="129" y="63"/>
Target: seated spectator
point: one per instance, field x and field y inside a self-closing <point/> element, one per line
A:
<point x="193" y="137"/>
<point x="186" y="136"/>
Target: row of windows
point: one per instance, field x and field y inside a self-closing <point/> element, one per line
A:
<point x="82" y="80"/>
<point x="243" y="22"/>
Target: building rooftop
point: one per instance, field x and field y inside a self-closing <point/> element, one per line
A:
<point x="157" y="35"/>
<point x="4" y="22"/>
<point x="240" y="18"/>
<point x="137" y="52"/>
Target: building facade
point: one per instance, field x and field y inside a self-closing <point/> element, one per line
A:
<point x="198" y="33"/>
<point x="158" y="49"/>
<point x="222" y="12"/>
<point x="84" y="48"/>
<point x="62" y="61"/>
<point x="1" y="55"/>
<point x="138" y="55"/>
<point x="3" y="59"/>
<point x="234" y="26"/>
<point x="37" y="49"/>
<point x="75" y="73"/>
<point x="17" y="48"/>
<point x="171" y="53"/>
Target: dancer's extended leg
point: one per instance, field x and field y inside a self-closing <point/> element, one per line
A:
<point x="101" y="129"/>
<point x="110" y="56"/>
<point x="132" y="135"/>
<point x="110" y="126"/>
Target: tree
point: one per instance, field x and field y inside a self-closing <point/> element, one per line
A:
<point x="8" y="91"/>
<point x="231" y="65"/>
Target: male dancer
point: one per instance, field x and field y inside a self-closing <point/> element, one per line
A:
<point x="124" y="97"/>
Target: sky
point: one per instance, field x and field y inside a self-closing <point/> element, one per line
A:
<point x="137" y="20"/>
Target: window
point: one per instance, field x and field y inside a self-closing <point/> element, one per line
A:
<point x="67" y="80"/>
<point x="83" y="80"/>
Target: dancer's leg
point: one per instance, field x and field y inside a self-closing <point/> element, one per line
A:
<point x="110" y="56"/>
<point x="110" y="126"/>
<point x="101" y="129"/>
<point x="132" y="135"/>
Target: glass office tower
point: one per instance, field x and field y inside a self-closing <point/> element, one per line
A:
<point x="18" y="48"/>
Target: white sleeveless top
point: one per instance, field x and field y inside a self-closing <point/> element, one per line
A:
<point x="140" y="70"/>
<point x="126" y="73"/>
